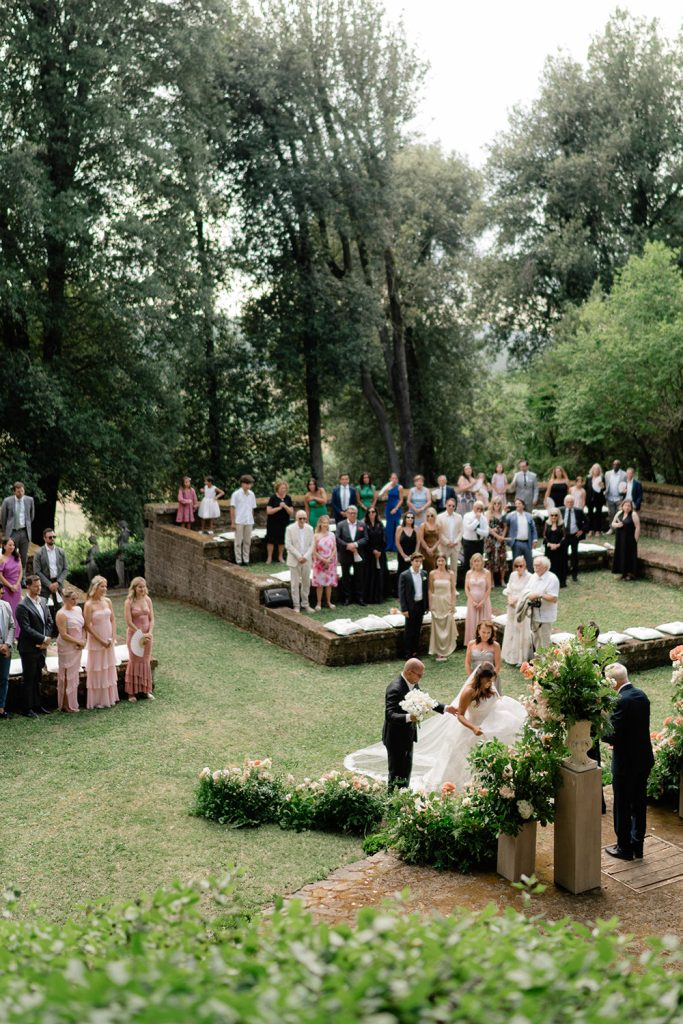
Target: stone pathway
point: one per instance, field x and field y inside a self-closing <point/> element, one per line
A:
<point x="368" y="882"/>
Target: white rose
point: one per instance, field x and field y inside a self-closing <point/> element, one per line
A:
<point x="217" y="776"/>
<point x="205" y="773"/>
<point x="525" y="809"/>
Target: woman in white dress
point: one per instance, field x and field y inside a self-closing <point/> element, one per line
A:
<point x="517" y="640"/>
<point x="445" y="741"/>
<point x="209" y="508"/>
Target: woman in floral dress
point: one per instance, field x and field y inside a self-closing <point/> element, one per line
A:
<point x="324" y="571"/>
<point x="494" y="545"/>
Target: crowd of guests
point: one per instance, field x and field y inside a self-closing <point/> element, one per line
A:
<point x="50" y="611"/>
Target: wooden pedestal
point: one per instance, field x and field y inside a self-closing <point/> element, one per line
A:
<point x="517" y="854"/>
<point x="578" y="830"/>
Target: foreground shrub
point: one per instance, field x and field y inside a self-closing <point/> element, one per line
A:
<point x="336" y="802"/>
<point x="243" y="796"/>
<point x="158" y="960"/>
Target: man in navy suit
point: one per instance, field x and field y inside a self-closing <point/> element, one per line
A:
<point x="632" y="761"/>
<point x="343" y="495"/>
<point x="634" y="488"/>
<point x="521" y="533"/>
<point x="413" y="599"/>
<point x="442" y="493"/>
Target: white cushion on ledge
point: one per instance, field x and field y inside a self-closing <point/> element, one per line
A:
<point x="613" y="637"/>
<point x="671" y="628"/>
<point x="394" y="620"/>
<point x="560" y="637"/>
<point x="644" y="633"/>
<point x="343" y="627"/>
<point x="371" y="623"/>
<point x="587" y="546"/>
<point x="461" y="612"/>
<point x="500" y="620"/>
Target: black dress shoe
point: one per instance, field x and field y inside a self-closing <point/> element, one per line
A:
<point x="5" y="716"/>
<point x="616" y="851"/>
<point x="42" y="711"/>
<point x="29" y="714"/>
<point x="637" y="853"/>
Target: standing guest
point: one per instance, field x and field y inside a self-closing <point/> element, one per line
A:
<point x="324" y="572"/>
<point x="634" y="489"/>
<point x="557" y="488"/>
<point x="366" y="495"/>
<point x="187" y="504"/>
<point x="351" y="543"/>
<point x="521" y="534"/>
<point x="400" y="731"/>
<point x="428" y="540"/>
<point x="375" y="558"/>
<point x="406" y="542"/>
<point x="50" y="564"/>
<point x="342" y="496"/>
<point x="209" y="510"/>
<point x="299" y="543"/>
<point x="544" y="590"/>
<point x="16" y="516"/>
<point x="615" y="489"/>
<point x="100" y="625"/>
<point x="517" y="646"/>
<point x="242" y="505"/>
<point x="574" y="527"/>
<point x="595" y="497"/>
<point x="475" y="530"/>
<point x="554" y="544"/>
<point x="478" y="590"/>
<point x="483" y="647"/>
<point x="578" y="493"/>
<point x="11" y="572"/>
<point x="139" y="613"/>
<point x="443" y="636"/>
<point x="315" y="501"/>
<point x="6" y="640"/>
<point x="482" y="491"/>
<point x="450" y="534"/>
<point x="419" y="499"/>
<point x="412" y="595"/>
<point x="626" y="525"/>
<point x="495" y="548"/>
<point x="278" y="511"/>
<point x="499" y="484"/>
<point x="632" y="761"/>
<point x="70" y="643"/>
<point x="525" y="485"/>
<point x="467" y="486"/>
<point x="392" y="509"/>
<point x="442" y="494"/>
<point x="37" y="627"/>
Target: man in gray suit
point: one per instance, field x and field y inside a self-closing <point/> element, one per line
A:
<point x="525" y="484"/>
<point x="16" y="516"/>
<point x="49" y="564"/>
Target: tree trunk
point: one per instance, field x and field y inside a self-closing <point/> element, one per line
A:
<point x="374" y="400"/>
<point x="45" y="509"/>
<point x="210" y="370"/>
<point x="312" y="384"/>
<point x="399" y="377"/>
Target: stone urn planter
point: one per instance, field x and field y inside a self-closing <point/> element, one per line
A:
<point x="579" y="742"/>
<point x="517" y="854"/>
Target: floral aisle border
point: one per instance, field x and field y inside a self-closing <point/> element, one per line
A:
<point x="667" y="744"/>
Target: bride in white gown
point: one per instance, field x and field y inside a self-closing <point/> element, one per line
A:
<point x="445" y="741"/>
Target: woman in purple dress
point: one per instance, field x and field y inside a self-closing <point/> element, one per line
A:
<point x="11" y="571"/>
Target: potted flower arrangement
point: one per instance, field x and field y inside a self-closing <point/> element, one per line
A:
<point x="567" y="690"/>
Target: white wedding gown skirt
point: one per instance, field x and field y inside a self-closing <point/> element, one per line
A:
<point x="444" y="744"/>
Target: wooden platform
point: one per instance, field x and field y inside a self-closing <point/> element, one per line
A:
<point x="662" y="864"/>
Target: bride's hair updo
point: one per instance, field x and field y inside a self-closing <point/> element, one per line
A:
<point x="480" y="676"/>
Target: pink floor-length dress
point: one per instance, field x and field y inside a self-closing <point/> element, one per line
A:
<point x="101" y="678"/>
<point x="69" y="660"/>
<point x="325" y="575"/>
<point x="11" y="570"/>
<point x="139" y="670"/>
<point x="476" y="615"/>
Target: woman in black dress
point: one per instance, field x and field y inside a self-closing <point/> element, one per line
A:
<point x="279" y="511"/>
<point x="375" y="558"/>
<point x="406" y="541"/>
<point x="555" y="547"/>
<point x="557" y="488"/>
<point x="626" y="526"/>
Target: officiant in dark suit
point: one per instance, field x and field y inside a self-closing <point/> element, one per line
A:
<point x="35" y="622"/>
<point x="351" y="543"/>
<point x="412" y="596"/>
<point x="632" y="761"/>
<point x="400" y="730"/>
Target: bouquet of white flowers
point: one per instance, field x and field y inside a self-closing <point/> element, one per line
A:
<point x="419" y="704"/>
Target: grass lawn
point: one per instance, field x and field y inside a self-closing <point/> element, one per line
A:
<point x="96" y="805"/>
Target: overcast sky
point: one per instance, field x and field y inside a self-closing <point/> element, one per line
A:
<point x="485" y="57"/>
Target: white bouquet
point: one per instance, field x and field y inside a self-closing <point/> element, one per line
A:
<point x="419" y="704"/>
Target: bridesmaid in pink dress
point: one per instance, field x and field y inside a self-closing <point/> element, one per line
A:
<point x="187" y="504"/>
<point x="70" y="643"/>
<point x="324" y="570"/>
<point x="100" y="625"/>
<point x="139" y="615"/>
<point x="10" y="577"/>
<point x="478" y="590"/>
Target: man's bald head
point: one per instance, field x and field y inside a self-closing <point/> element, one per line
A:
<point x="413" y="670"/>
<point x="617" y="673"/>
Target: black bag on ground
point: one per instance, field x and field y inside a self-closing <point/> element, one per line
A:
<point x="277" y="597"/>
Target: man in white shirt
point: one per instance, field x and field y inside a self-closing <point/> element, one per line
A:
<point x="475" y="527"/>
<point x="544" y="588"/>
<point x="615" y="489"/>
<point x="450" y="534"/>
<point x="50" y="564"/>
<point x="299" y="544"/>
<point x="242" y="505"/>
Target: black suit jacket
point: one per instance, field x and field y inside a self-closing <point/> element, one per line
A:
<point x="637" y="493"/>
<point x="336" y="502"/>
<point x="398" y="733"/>
<point x="406" y="590"/>
<point x="344" y="538"/>
<point x="579" y="517"/>
<point x="450" y="493"/>
<point x="33" y="629"/>
<point x="630" y="734"/>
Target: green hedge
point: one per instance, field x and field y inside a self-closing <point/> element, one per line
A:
<point x="159" y="960"/>
<point x="134" y="560"/>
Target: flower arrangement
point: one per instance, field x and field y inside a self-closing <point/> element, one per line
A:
<point x="667" y="744"/>
<point x="242" y="796"/>
<point x="566" y="686"/>
<point x="419" y="704"/>
<point x="336" y="802"/>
